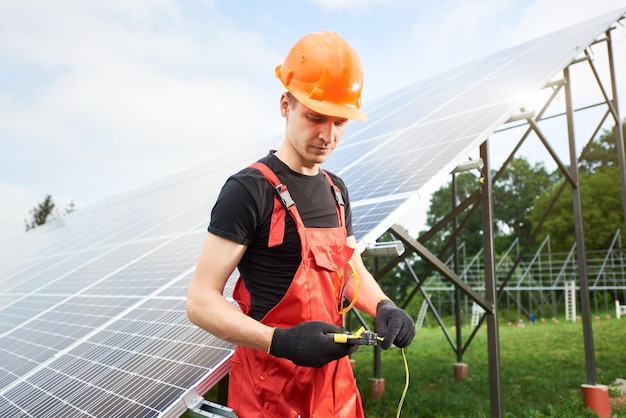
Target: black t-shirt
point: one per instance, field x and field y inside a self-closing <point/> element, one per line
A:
<point x="242" y="213"/>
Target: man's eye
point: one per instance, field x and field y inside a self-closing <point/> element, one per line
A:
<point x="315" y="119"/>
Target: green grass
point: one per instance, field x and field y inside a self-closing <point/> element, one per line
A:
<point x="542" y="369"/>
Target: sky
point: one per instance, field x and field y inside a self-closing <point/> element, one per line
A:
<point x="98" y="98"/>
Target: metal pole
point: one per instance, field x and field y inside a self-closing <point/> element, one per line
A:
<point x="619" y="137"/>
<point x="377" y="383"/>
<point x="580" y="236"/>
<point x="491" y="294"/>
<point x="457" y="292"/>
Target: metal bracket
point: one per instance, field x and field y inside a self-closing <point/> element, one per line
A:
<point x="210" y="409"/>
<point x="192" y="399"/>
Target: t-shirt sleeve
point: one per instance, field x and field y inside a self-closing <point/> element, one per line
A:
<point x="236" y="212"/>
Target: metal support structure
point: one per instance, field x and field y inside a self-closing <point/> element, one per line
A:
<point x="457" y="292"/>
<point x="552" y="153"/>
<point x="619" y="137"/>
<point x="580" y="236"/>
<point x="490" y="300"/>
<point x="491" y="296"/>
<point x="222" y="390"/>
<point x="458" y="347"/>
<point x="384" y="249"/>
<point x="377" y="381"/>
<point x="208" y="409"/>
<point x="440" y="266"/>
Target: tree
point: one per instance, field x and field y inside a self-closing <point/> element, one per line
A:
<point x="601" y="153"/>
<point x="600" y="190"/>
<point x="601" y="211"/>
<point x="44" y="212"/>
<point x="71" y="207"/>
<point x="514" y="193"/>
<point x="441" y="205"/>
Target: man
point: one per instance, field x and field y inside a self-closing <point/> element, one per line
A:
<point x="286" y="225"/>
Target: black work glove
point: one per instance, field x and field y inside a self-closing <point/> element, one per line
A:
<point x="394" y="325"/>
<point x="308" y="344"/>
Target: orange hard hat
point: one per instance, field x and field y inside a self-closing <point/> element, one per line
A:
<point x="324" y="73"/>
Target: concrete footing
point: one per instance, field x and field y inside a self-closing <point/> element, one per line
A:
<point x="460" y="371"/>
<point x="377" y="387"/>
<point x="596" y="398"/>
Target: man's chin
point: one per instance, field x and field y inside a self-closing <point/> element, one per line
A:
<point x="320" y="157"/>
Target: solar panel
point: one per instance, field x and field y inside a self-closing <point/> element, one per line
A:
<point x="92" y="307"/>
<point x="418" y="134"/>
<point x="92" y="314"/>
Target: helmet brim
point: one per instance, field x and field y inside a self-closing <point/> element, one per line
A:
<point x="330" y="109"/>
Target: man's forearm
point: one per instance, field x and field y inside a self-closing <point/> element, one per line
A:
<point x="216" y="315"/>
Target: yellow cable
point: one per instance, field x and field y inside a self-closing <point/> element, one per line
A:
<point x="406" y="384"/>
<point x="361" y="330"/>
<point x="354" y="274"/>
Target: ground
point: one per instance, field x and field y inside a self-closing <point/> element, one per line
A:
<point x="619" y="401"/>
<point x="619" y="384"/>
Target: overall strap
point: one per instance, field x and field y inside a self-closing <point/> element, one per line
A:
<point x="281" y="199"/>
<point x="338" y="199"/>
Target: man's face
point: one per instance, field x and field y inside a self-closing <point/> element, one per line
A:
<point x="313" y="136"/>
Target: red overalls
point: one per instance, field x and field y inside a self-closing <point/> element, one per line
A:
<point x="264" y="386"/>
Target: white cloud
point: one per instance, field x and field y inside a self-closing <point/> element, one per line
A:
<point x="545" y="16"/>
<point x="13" y="215"/>
<point x="127" y="92"/>
<point x="452" y="33"/>
<point x="115" y="94"/>
<point x="351" y="5"/>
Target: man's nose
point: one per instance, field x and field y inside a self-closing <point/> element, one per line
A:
<point x="327" y="132"/>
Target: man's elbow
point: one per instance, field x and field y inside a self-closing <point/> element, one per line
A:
<point x="192" y="309"/>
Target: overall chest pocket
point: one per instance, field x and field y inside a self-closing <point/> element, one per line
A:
<point x="331" y="258"/>
<point x="340" y="269"/>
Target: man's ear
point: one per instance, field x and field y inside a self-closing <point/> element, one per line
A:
<point x="284" y="105"/>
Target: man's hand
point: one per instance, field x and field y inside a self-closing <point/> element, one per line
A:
<point x="308" y="344"/>
<point x="394" y="325"/>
